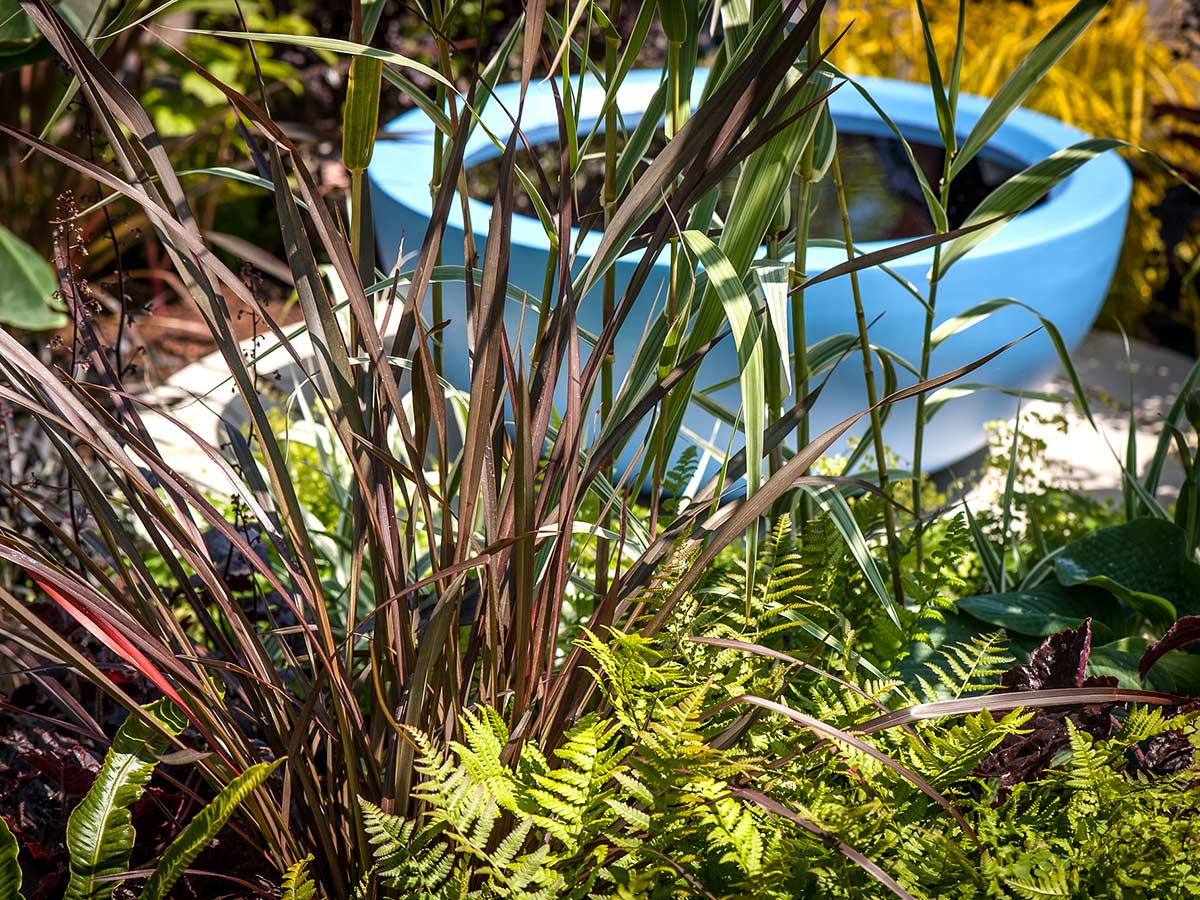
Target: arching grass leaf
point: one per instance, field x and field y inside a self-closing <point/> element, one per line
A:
<point x="1026" y="76"/>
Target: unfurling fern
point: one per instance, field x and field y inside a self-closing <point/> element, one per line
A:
<point x="297" y="883"/>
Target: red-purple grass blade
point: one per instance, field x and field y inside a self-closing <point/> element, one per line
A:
<point x="1015" y="700"/>
<point x="843" y="737"/>
<point x="773" y="806"/>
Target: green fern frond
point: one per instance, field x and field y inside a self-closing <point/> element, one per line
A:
<point x="297" y="883"/>
<point x="1054" y="883"/>
<point x="415" y="863"/>
<point x="968" y="667"/>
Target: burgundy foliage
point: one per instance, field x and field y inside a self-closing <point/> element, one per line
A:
<point x="1059" y="662"/>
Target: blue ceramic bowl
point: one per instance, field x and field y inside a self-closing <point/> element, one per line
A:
<point x="1058" y="258"/>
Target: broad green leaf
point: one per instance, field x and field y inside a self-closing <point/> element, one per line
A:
<point x="10" y="870"/>
<point x="201" y="829"/>
<point x="1025" y="77"/>
<point x="1144" y="562"/>
<point x="1177" y="671"/>
<point x="99" y="831"/>
<point x="27" y="287"/>
<point x="1018" y="194"/>
<point x="20" y="41"/>
<point x="17" y="31"/>
<point x="1045" y="609"/>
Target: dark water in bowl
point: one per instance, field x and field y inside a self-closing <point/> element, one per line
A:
<point x="882" y="193"/>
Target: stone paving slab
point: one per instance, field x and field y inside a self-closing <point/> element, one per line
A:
<point x="1087" y="458"/>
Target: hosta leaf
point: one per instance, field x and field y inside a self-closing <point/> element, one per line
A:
<point x="201" y="829"/>
<point x="1045" y="609"/>
<point x="99" y="833"/>
<point x="10" y="870"/>
<point x="1183" y="633"/>
<point x="1144" y="562"/>
<point x="27" y="286"/>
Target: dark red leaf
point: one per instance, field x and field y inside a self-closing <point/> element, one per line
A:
<point x="1182" y="633"/>
<point x="1059" y="662"/>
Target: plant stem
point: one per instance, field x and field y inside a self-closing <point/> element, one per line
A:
<point x="889" y="519"/>
<point x="926" y="354"/>
<point x="611" y="46"/>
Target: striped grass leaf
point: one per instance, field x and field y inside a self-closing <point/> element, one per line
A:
<point x="772" y="279"/>
<point x="332" y="45"/>
<point x="940" y="398"/>
<point x="980" y="312"/>
<point x="1173" y="417"/>
<point x="723" y="528"/>
<point x="1019" y="193"/>
<point x="833" y="502"/>
<point x="739" y="311"/>
<point x="1025" y="77"/>
<point x="932" y="202"/>
<point x="941" y="103"/>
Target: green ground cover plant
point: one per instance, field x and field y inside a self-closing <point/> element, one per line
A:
<point x="432" y="642"/>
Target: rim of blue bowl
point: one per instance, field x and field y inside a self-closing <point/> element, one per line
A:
<point x="1096" y="191"/>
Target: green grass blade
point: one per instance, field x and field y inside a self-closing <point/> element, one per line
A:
<point x="835" y="504"/>
<point x="10" y="870"/>
<point x="1026" y="76"/>
<point x="981" y="311"/>
<point x="333" y="45"/>
<point x="739" y="310"/>
<point x="201" y="829"/>
<point x="1173" y="417"/>
<point x="1018" y="194"/>
<point x="945" y="115"/>
<point x="932" y="202"/>
<point x="99" y="831"/>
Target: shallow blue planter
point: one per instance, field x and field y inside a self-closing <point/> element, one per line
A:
<point x="1058" y="258"/>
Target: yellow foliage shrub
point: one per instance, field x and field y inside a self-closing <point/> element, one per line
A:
<point x="1115" y="82"/>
